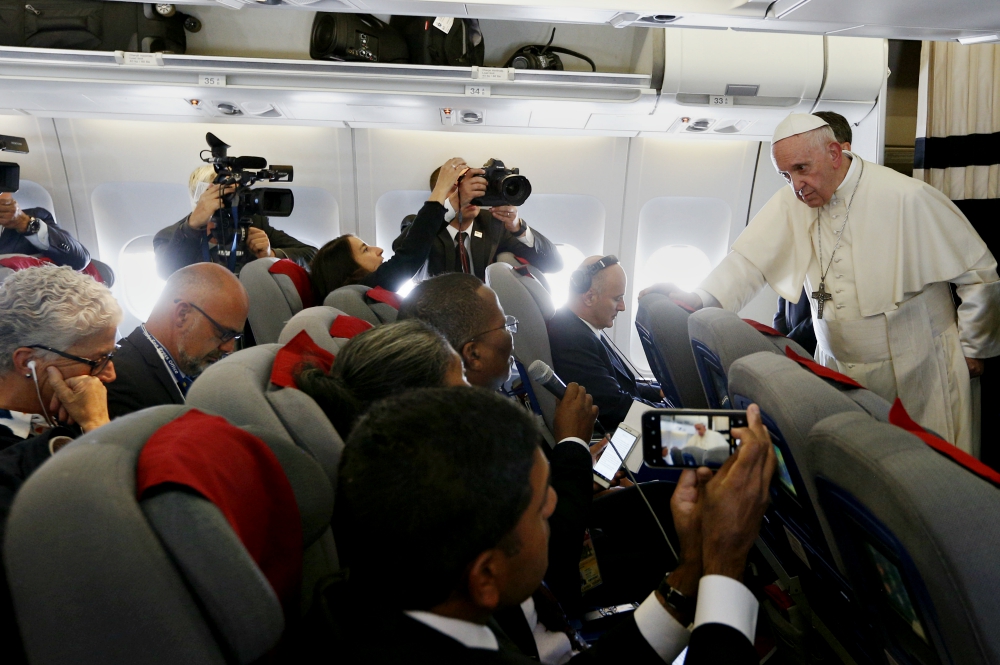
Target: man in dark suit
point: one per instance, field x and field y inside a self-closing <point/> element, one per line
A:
<point x="196" y="322"/>
<point x="795" y="321"/>
<point x="580" y="350"/>
<point x="186" y="242"/>
<point x="34" y="231"/>
<point x="468" y="517"/>
<point x="484" y="234"/>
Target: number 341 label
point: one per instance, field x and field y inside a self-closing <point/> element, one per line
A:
<point x="720" y="100"/>
<point x="477" y="91"/>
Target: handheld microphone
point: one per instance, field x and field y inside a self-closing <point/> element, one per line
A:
<point x="543" y="375"/>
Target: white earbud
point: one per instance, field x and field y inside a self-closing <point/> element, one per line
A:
<point x="31" y="366"/>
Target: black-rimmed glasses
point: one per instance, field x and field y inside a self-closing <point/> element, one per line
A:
<point x="224" y="334"/>
<point x="96" y="366"/>
<point x="510" y="325"/>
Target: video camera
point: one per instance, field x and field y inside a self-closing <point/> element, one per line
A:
<point x="504" y="187"/>
<point x="241" y="205"/>
<point x="10" y="173"/>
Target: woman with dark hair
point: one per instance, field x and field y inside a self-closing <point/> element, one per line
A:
<point x="380" y="362"/>
<point x="349" y="260"/>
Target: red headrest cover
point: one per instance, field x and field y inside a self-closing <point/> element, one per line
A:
<point x="299" y="277"/>
<point x="300" y="350"/>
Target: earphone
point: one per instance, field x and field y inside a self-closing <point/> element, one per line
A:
<point x="38" y="391"/>
<point x="581" y="279"/>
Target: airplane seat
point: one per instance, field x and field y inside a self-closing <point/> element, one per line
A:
<point x="278" y="289"/>
<point x="792" y="401"/>
<point x="663" y="331"/>
<point x="328" y="327"/>
<point x="11" y="263"/>
<point x="100" y="575"/>
<point x="524" y="298"/>
<point x="104" y="272"/>
<point x="876" y="406"/>
<point x="719" y="338"/>
<point x="917" y="533"/>
<point x="524" y="267"/>
<point x="374" y="305"/>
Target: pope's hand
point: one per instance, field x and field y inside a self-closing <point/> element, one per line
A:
<point x="976" y="367"/>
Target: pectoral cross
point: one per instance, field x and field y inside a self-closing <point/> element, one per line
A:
<point x="821" y="296"/>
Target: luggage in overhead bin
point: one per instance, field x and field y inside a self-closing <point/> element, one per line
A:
<point x="442" y="40"/>
<point x="94" y="26"/>
<point x="355" y="38"/>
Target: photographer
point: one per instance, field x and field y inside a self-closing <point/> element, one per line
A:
<point x="484" y="233"/>
<point x="34" y="231"/>
<point x="185" y="242"/>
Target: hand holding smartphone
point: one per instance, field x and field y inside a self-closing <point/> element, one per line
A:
<point x="617" y="450"/>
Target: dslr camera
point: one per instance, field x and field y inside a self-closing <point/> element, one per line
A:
<point x="10" y="173"/>
<point x="240" y="205"/>
<point x="504" y="186"/>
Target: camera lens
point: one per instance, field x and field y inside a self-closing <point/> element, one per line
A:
<point x="325" y="34"/>
<point x="515" y="189"/>
<point x="520" y="62"/>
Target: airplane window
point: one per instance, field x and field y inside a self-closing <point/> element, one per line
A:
<point x="682" y="265"/>
<point x="559" y="281"/>
<point x="137" y="268"/>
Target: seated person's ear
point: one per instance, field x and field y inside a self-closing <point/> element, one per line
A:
<point x="485" y="579"/>
<point x="471" y="356"/>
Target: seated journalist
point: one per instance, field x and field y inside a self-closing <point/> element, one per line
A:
<point x="197" y="321"/>
<point x="350" y="260"/>
<point x="484" y="234"/>
<point x="57" y="339"/>
<point x="581" y="352"/>
<point x="470" y="502"/>
<point x="34" y="231"/>
<point x="190" y="240"/>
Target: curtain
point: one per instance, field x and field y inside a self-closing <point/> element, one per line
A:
<point x="958" y="152"/>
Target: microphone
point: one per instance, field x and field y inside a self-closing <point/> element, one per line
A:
<point x="542" y="374"/>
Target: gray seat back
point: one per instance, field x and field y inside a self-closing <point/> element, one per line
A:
<point x="668" y="325"/>
<point x="273" y="299"/>
<point x="99" y="577"/>
<point x="931" y="525"/>
<point x="512" y="260"/>
<point x="316" y="322"/>
<point x="527" y="300"/>
<point x="351" y="300"/>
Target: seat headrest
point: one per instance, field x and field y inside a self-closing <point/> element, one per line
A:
<point x="729" y="336"/>
<point x="328" y="327"/>
<point x="381" y="307"/>
<point x="298" y="276"/>
<point x="503" y="278"/>
<point x="299" y="352"/>
<point x="274" y="297"/>
<point x="524" y="268"/>
<point x="667" y="322"/>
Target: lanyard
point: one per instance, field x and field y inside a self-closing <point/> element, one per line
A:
<point x="182" y="380"/>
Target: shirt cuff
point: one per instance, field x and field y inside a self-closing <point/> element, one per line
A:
<point x="578" y="440"/>
<point x="528" y="238"/>
<point x="707" y="299"/>
<point x="40" y="239"/>
<point x="723" y="600"/>
<point x="660" y="629"/>
<point x="279" y="253"/>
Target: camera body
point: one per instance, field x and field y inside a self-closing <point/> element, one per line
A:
<point x="10" y="173"/>
<point x="504" y="186"/>
<point x="240" y="205"/>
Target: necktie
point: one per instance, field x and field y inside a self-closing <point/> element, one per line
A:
<point x="461" y="256"/>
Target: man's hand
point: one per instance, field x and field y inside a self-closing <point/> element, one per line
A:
<point x="11" y="216"/>
<point x="686" y="507"/>
<point x="79" y="399"/>
<point x="575" y="414"/>
<point x="447" y="180"/>
<point x="472" y="186"/>
<point x="976" y="367"/>
<point x="507" y="215"/>
<point x="208" y="203"/>
<point x="736" y="498"/>
<point x="692" y="300"/>
<point x="258" y="243"/>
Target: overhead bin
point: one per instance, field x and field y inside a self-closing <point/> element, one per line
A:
<point x="729" y="84"/>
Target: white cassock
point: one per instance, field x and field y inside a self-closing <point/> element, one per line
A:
<point x="892" y="324"/>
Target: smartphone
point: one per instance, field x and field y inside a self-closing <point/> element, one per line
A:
<point x="689" y="437"/>
<point x="622" y="442"/>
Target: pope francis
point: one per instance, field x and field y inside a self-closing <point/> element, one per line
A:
<point x="878" y="253"/>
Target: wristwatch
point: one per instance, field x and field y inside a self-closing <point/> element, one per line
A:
<point x="683" y="604"/>
<point x="34" y="225"/>
<point x="524" y="229"/>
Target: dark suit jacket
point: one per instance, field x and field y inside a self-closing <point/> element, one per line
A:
<point x="64" y="249"/>
<point x="141" y="379"/>
<point x="578" y="355"/>
<point x="494" y="240"/>
<point x="572" y="477"/>
<point x="794" y="320"/>
<point x="179" y="245"/>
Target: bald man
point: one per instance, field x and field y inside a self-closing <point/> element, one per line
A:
<point x="580" y="350"/>
<point x="196" y="322"/>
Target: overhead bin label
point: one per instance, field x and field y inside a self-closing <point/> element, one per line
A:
<point x="212" y="80"/>
<point x="139" y="59"/>
<point x="493" y="73"/>
<point x="477" y="91"/>
<point x="720" y="100"/>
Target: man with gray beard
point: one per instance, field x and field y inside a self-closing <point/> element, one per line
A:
<point x="196" y="322"/>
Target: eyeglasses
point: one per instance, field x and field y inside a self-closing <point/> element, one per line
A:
<point x="96" y="366"/>
<point x="510" y="325"/>
<point x="224" y="334"/>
